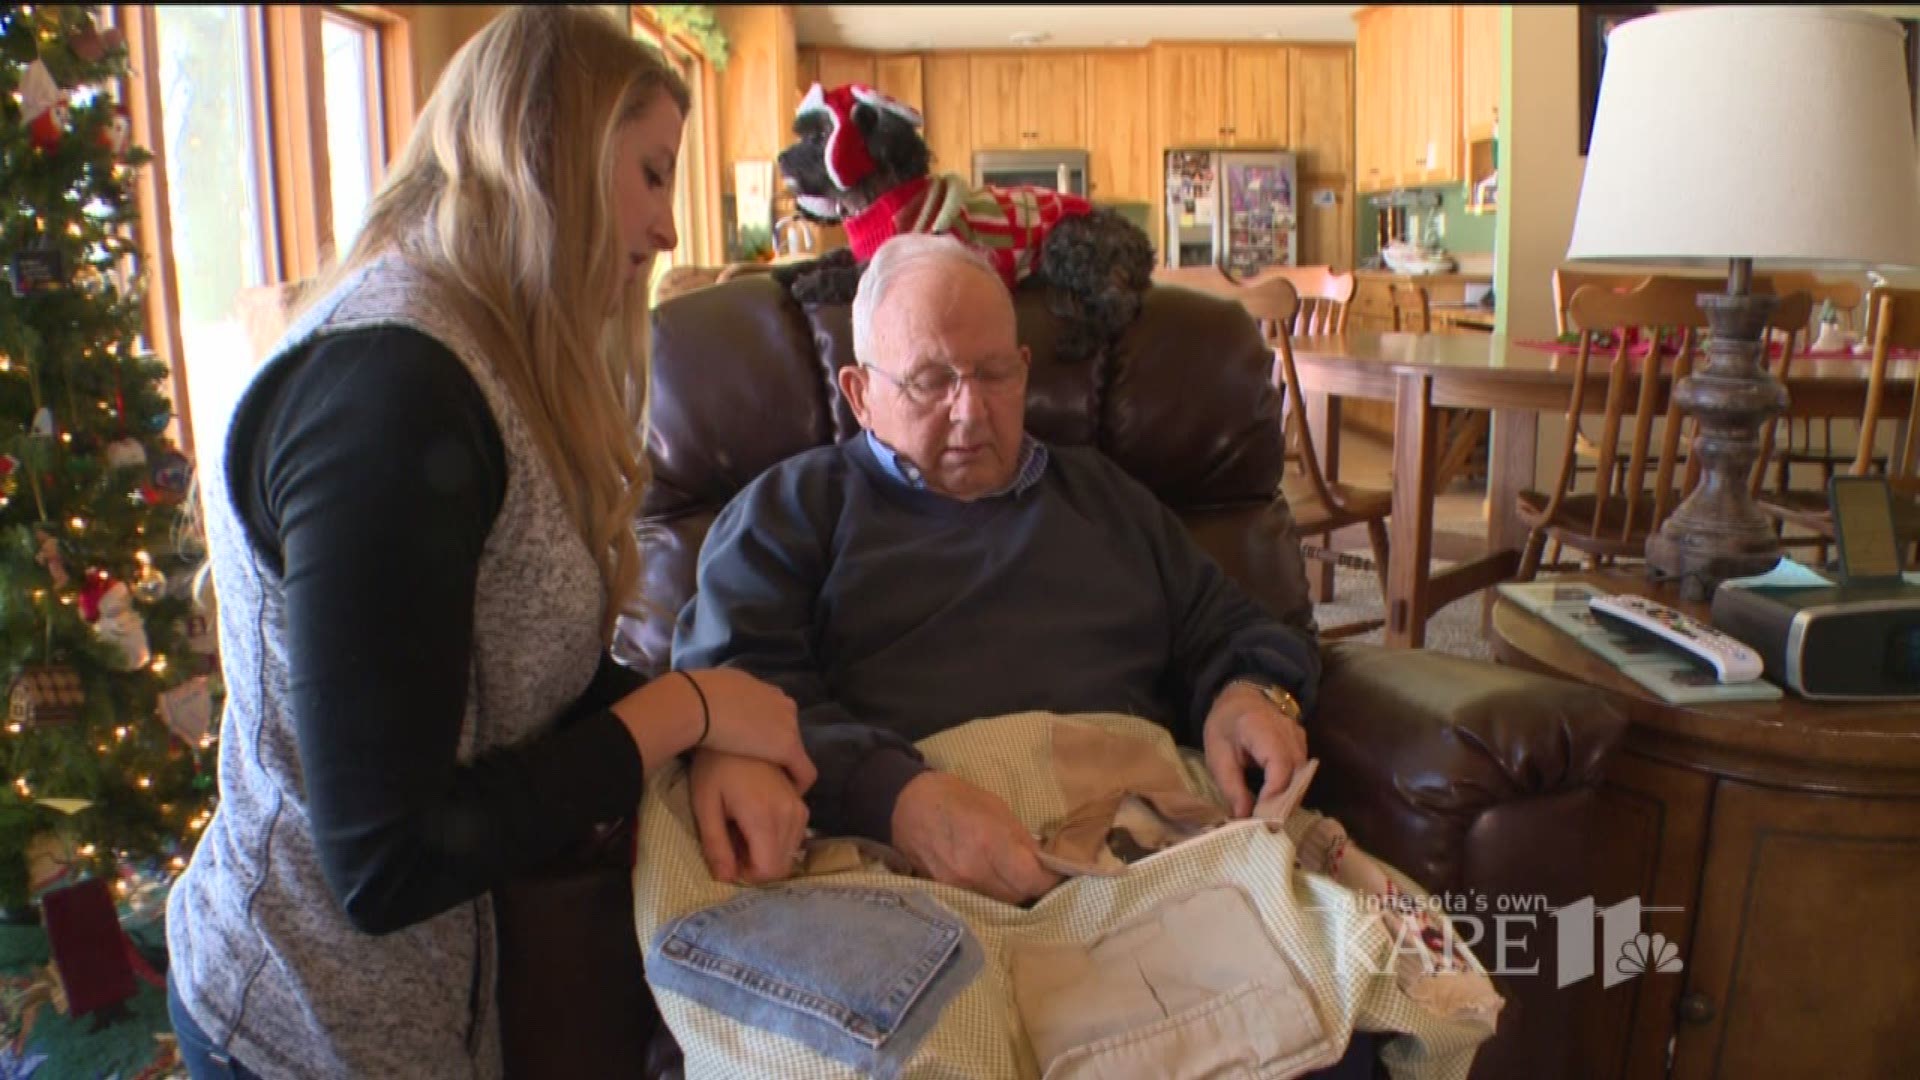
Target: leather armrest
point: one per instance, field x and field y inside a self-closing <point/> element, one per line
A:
<point x="1416" y="747"/>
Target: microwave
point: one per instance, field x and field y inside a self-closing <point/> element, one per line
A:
<point x="1061" y="170"/>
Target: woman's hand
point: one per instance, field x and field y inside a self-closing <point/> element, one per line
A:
<point x="741" y="715"/>
<point x="751" y="820"/>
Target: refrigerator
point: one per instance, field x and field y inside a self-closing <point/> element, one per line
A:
<point x="1232" y="208"/>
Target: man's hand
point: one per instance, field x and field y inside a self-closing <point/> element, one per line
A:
<point x="1244" y="728"/>
<point x="963" y="836"/>
<point x="751" y="820"/>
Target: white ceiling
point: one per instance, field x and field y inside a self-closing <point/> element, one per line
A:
<point x="991" y="26"/>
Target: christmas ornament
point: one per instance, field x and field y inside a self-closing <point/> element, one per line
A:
<point x="42" y="108"/>
<point x="45" y="694"/>
<point x="187" y="710"/>
<point x="157" y="423"/>
<point x="8" y="463"/>
<point x="150" y="586"/>
<point x="92" y="46"/>
<point x="93" y="585"/>
<point x="36" y="270"/>
<point x="117" y="134"/>
<point x="43" y="423"/>
<point x="125" y="454"/>
<point x="202" y="638"/>
<point x="50" y="860"/>
<point x="48" y="556"/>
<point x="171" y="476"/>
<point x="121" y="627"/>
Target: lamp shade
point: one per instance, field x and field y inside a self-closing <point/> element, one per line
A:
<point x="1779" y="134"/>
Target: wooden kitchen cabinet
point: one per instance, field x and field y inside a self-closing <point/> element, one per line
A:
<point x="1222" y="95"/>
<point x="1189" y="94"/>
<point x="837" y="67"/>
<point x="1320" y="109"/>
<point x="1479" y="70"/>
<point x="997" y="122"/>
<point x="1373" y="119"/>
<point x="1436" y="142"/>
<point x="1119" y="127"/>
<point x="1029" y="102"/>
<point x="1257" y="95"/>
<point x="1054" y="100"/>
<point x="948" y="81"/>
<point x="1407" y="96"/>
<point x="899" y="77"/>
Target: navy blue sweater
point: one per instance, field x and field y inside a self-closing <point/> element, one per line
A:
<point x="891" y="614"/>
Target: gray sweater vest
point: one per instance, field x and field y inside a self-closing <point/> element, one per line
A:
<point x="264" y="957"/>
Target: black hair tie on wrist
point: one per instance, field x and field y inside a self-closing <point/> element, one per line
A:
<point x="706" y="717"/>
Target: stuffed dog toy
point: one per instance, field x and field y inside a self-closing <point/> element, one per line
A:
<point x="860" y="162"/>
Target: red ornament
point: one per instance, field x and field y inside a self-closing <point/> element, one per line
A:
<point x="43" y="107"/>
<point x="97" y="583"/>
<point x="117" y="134"/>
<point x="46" y="130"/>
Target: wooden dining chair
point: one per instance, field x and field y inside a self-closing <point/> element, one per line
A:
<point x="1636" y="481"/>
<point x="1615" y="520"/>
<point x="1319" y="506"/>
<point x="1462" y="431"/>
<point x="1412" y="307"/>
<point x="1325" y="296"/>
<point x="1893" y="323"/>
<point x="1807" y="441"/>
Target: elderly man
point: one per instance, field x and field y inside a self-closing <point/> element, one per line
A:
<point x="947" y="566"/>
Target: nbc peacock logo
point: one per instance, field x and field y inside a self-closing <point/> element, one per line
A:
<point x="1646" y="953"/>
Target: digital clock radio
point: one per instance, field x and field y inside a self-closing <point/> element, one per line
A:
<point x="1856" y="641"/>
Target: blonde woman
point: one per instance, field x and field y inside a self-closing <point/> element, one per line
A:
<point x="421" y="536"/>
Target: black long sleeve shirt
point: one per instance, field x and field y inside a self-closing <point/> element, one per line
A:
<point x="367" y="470"/>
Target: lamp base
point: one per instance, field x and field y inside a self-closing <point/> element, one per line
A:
<point x="1717" y="532"/>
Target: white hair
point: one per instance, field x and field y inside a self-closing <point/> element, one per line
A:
<point x="894" y="260"/>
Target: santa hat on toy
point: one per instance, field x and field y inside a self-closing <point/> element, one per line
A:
<point x="848" y="162"/>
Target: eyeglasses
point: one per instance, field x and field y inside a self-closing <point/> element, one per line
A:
<point x="939" y="384"/>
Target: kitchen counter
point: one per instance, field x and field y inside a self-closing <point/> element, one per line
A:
<point x="1451" y="277"/>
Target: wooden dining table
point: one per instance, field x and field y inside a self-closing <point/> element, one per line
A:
<point x="1515" y="382"/>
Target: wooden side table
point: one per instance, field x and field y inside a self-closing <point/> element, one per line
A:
<point x="1787" y="835"/>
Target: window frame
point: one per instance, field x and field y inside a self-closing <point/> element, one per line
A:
<point x="287" y="106"/>
<point x="701" y="228"/>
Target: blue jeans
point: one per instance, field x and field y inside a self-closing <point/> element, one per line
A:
<point x="203" y="1060"/>
<point x="858" y="974"/>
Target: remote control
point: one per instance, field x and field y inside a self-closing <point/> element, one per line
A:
<point x="1732" y="660"/>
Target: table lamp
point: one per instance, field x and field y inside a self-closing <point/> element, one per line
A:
<point x="1727" y="135"/>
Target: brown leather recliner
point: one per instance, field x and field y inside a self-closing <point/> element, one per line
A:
<point x="1473" y="778"/>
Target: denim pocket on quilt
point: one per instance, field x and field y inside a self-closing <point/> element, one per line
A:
<point x="859" y="974"/>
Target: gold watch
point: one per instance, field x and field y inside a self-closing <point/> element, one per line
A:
<point x="1281" y="699"/>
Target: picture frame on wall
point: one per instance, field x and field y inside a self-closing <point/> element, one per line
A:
<point x="1596" y="21"/>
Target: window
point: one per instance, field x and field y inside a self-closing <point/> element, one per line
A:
<point x="219" y="235"/>
<point x="695" y="194"/>
<point x="271" y="127"/>
<point x="350" y="48"/>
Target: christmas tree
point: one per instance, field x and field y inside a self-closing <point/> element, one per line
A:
<point x="105" y="762"/>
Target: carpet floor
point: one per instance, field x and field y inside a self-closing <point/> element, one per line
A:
<point x="1453" y="629"/>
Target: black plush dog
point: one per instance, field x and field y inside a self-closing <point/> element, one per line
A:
<point x="860" y="162"/>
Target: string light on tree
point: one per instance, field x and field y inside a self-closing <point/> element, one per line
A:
<point x="90" y="478"/>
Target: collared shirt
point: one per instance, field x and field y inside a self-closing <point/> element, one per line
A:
<point x="1033" y="462"/>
